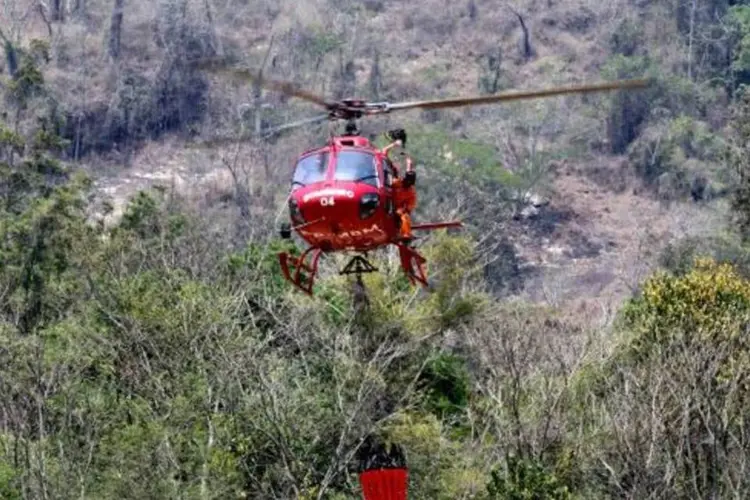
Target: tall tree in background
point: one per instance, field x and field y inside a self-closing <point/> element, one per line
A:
<point x="740" y="162"/>
<point x="115" y="29"/>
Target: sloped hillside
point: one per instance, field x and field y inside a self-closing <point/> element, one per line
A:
<point x="128" y="102"/>
<point x="150" y="349"/>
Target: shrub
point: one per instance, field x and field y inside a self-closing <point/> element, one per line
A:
<point x="675" y="390"/>
<point x="706" y="308"/>
<point x="681" y="156"/>
<point x="628" y="109"/>
<point x="445" y="380"/>
<point x="626" y="38"/>
<point x="524" y="478"/>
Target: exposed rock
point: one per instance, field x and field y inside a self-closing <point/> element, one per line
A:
<point x="536" y="200"/>
<point x="529" y="212"/>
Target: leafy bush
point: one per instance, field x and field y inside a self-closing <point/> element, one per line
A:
<point x="675" y="381"/>
<point x="440" y="468"/>
<point x="445" y="381"/>
<point x="667" y="95"/>
<point x="455" y="276"/>
<point x="8" y="488"/>
<point x="678" y="257"/>
<point x="680" y="157"/>
<point x="526" y="479"/>
<point x="711" y="303"/>
<point x="472" y="160"/>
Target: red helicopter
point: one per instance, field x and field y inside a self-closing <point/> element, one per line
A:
<point x="344" y="196"/>
<point x="343" y="199"/>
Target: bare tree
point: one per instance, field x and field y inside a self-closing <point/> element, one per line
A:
<point x="376" y="77"/>
<point x="17" y="16"/>
<point x="57" y="10"/>
<point x="524" y="360"/>
<point x="258" y="91"/>
<point x="527" y="51"/>
<point x="11" y="54"/>
<point x="115" y="29"/>
<point x="242" y="173"/>
<point x="522" y="144"/>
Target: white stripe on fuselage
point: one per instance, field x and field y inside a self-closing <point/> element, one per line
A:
<point x="346" y="235"/>
<point x="328" y="192"/>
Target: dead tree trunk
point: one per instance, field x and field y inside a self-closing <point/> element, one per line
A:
<point x="57" y="11"/>
<point x="11" y="55"/>
<point x="258" y="92"/>
<point x="527" y="51"/>
<point x="78" y="7"/>
<point x="347" y="77"/>
<point x="376" y="78"/>
<point x="47" y="22"/>
<point x="115" y="29"/>
<point x="473" y="12"/>
<point x="489" y="80"/>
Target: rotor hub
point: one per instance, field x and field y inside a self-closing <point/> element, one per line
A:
<point x="353" y="109"/>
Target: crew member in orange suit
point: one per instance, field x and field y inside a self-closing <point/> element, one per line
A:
<point x="404" y="190"/>
<point x="405" y="198"/>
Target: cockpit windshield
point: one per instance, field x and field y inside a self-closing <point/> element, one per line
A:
<point x="356" y="166"/>
<point x="310" y="169"/>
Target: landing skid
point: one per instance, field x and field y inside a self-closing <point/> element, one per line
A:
<point x="301" y="271"/>
<point x="412" y="263"/>
<point x="298" y="272"/>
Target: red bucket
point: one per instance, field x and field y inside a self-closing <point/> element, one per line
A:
<point x="384" y="484"/>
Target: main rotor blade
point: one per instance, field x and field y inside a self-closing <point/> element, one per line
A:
<point x="307" y="121"/>
<point x="284" y="87"/>
<point x="264" y="134"/>
<point x="514" y="96"/>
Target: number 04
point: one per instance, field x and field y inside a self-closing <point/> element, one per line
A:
<point x="327" y="202"/>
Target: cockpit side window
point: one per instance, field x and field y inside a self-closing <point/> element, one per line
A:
<point x="356" y="166"/>
<point x="310" y="169"/>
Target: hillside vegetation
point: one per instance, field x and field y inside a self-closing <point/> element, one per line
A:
<point x="149" y="347"/>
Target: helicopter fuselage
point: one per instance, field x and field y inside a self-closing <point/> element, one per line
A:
<point x="336" y="220"/>
<point x="342" y="197"/>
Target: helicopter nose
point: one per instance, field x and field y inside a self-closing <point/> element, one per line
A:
<point x="332" y="205"/>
